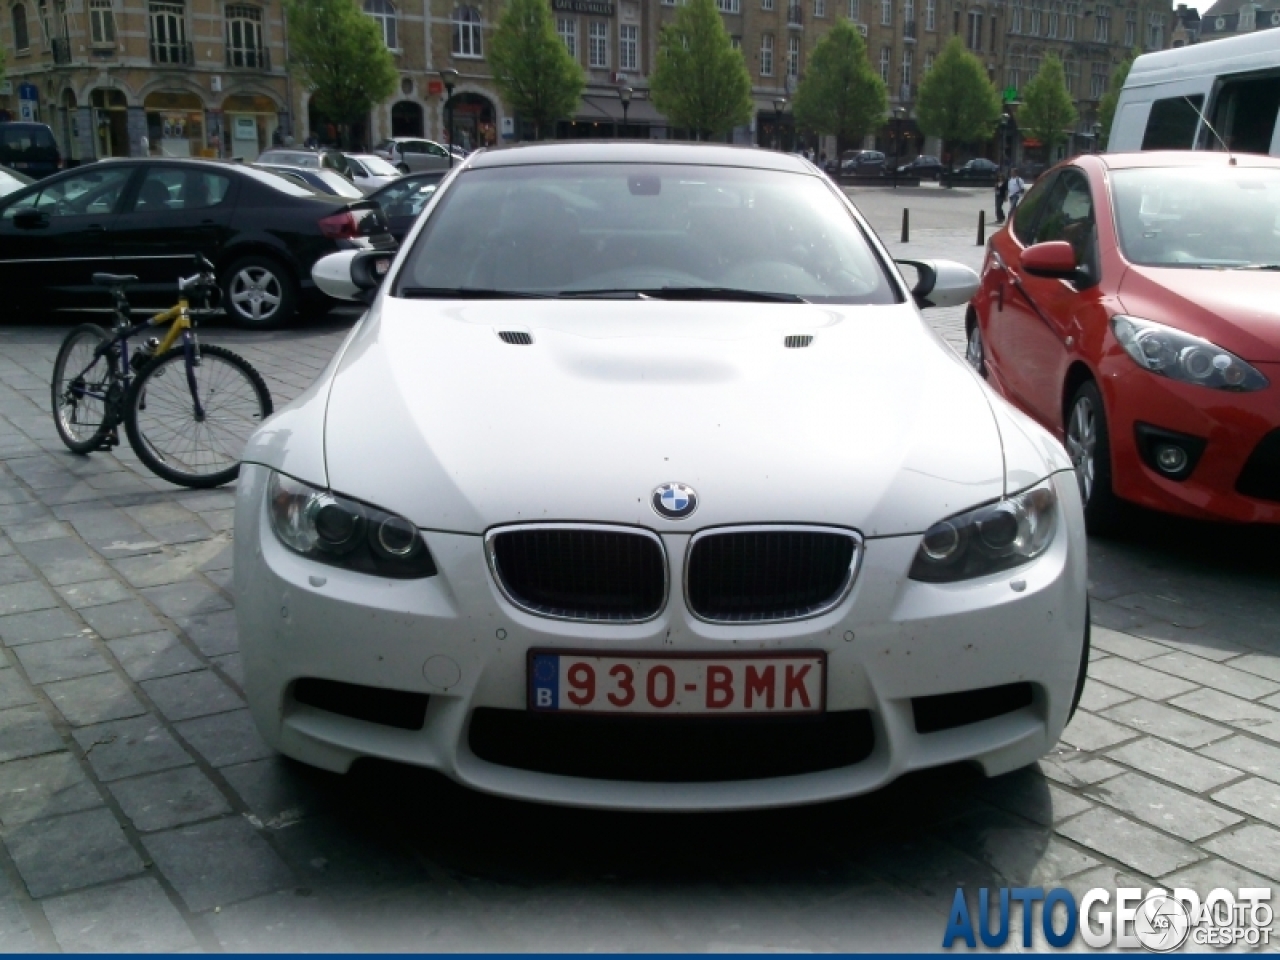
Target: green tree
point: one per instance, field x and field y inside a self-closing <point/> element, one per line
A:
<point x="339" y="54"/>
<point x="840" y="94"/>
<point x="957" y="102"/>
<point x="700" y="82"/>
<point x="1107" y="106"/>
<point x="1047" y="113"/>
<point x="537" y="77"/>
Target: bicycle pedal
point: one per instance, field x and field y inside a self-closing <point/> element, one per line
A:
<point x="109" y="442"/>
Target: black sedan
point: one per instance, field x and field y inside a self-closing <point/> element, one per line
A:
<point x="402" y="200"/>
<point x="977" y="169"/>
<point x="924" y="167"/>
<point x="147" y="217"/>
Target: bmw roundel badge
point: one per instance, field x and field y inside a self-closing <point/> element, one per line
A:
<point x="675" y="501"/>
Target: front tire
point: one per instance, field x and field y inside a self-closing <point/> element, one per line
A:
<point x="81" y="420"/>
<point x="171" y="440"/>
<point x="1089" y="446"/>
<point x="975" y="352"/>
<point x="259" y="293"/>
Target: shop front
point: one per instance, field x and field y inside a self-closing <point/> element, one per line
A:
<point x="249" y="125"/>
<point x="110" y="122"/>
<point x="175" y="124"/>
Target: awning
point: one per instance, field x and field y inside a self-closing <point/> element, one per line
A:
<point x="606" y="106"/>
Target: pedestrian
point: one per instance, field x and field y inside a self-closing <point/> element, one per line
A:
<point x="1002" y="194"/>
<point x="1016" y="189"/>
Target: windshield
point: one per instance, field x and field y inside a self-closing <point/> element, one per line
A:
<point x="376" y="166"/>
<point x="619" y="229"/>
<point x="1192" y="217"/>
<point x="292" y="158"/>
<point x="405" y="198"/>
<point x="277" y="182"/>
<point x="337" y="183"/>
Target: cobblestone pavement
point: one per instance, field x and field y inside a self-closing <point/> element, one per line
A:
<point x="139" y="809"/>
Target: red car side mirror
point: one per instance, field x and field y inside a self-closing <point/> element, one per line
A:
<point x="1055" y="258"/>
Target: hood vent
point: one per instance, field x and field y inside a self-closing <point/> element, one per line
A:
<point x="798" y="341"/>
<point x="517" y="338"/>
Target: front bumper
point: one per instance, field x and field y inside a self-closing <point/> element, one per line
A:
<point x="1232" y="425"/>
<point x="455" y="638"/>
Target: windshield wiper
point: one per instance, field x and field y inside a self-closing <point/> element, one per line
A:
<point x="721" y="293"/>
<point x="470" y="293"/>
<point x="1258" y="266"/>
<point x="622" y="293"/>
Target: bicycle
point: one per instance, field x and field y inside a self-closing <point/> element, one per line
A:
<point x="187" y="408"/>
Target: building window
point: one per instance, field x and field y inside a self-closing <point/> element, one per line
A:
<point x="975" y="30"/>
<point x="793" y="55"/>
<point x="931" y="15"/>
<point x="1130" y="28"/>
<point x="886" y="13"/>
<point x="102" y="23"/>
<point x="766" y="55"/>
<point x="1248" y="18"/>
<point x="1098" y="81"/>
<point x="1015" y="17"/>
<point x="736" y="43"/>
<point x="21" y="38"/>
<point x="1036" y="13"/>
<point x="1054" y="16"/>
<point x="1033" y="66"/>
<point x="793" y="13"/>
<point x="819" y="8"/>
<point x="468" y="35"/>
<point x="598" y="44"/>
<point x="1155" y="32"/>
<point x="1013" y="75"/>
<point x="567" y="28"/>
<point x="729" y="6"/>
<point x="908" y="54"/>
<point x="928" y="63"/>
<point x="1102" y="24"/>
<point x="908" y="11"/>
<point x="1073" y="11"/>
<point x="766" y="4"/>
<point x="384" y="14"/>
<point x="1072" y="71"/>
<point x="168" y="33"/>
<point x="629" y="46"/>
<point x="244" y="36"/>
<point x="886" y="63"/>
<point x="42" y="8"/>
<point x="855" y="11"/>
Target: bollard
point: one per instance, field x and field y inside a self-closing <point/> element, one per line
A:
<point x="906" y="225"/>
<point x="982" y="228"/>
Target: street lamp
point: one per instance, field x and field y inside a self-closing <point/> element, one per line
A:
<point x="624" y="94"/>
<point x="1097" y="136"/>
<point x="779" y="105"/>
<point x="450" y="78"/>
<point x="1003" y="147"/>
<point x="897" y="142"/>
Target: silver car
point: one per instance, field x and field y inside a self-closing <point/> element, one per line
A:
<point x="370" y="173"/>
<point x="411" y="154"/>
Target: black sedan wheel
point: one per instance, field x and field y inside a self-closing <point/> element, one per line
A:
<point x="258" y="293"/>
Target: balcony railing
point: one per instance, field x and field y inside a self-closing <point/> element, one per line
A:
<point x="795" y="15"/>
<point x="909" y="30"/>
<point x="249" y="59"/>
<point x="174" y="53"/>
<point x="61" y="50"/>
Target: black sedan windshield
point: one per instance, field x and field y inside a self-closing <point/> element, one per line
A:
<point x="644" y="229"/>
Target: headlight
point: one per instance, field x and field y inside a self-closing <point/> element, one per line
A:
<point x="1180" y="356"/>
<point x="988" y="539"/>
<point x="327" y="528"/>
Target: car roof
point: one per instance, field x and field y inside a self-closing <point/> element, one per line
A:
<point x="721" y="155"/>
<point x="1186" y="158"/>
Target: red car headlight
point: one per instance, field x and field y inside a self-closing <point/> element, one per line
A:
<point x="1180" y="356"/>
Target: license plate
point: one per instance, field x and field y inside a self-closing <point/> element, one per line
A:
<point x="666" y="685"/>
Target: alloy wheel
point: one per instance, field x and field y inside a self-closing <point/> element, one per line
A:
<point x="256" y="293"/>
<point x="975" y="351"/>
<point x="1082" y="442"/>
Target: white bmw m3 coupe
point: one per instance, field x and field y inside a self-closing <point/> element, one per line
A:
<point x="644" y="485"/>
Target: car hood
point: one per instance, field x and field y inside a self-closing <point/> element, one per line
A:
<point x="876" y="425"/>
<point x="1238" y="310"/>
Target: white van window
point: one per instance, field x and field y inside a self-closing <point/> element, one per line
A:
<point x="1172" y="123"/>
<point x="1244" y="114"/>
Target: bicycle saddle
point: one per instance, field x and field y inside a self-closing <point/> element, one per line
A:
<point x="113" y="279"/>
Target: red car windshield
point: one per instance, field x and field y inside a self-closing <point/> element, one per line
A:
<point x="1196" y="218"/>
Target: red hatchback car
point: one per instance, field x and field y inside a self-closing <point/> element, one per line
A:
<point x="1132" y="306"/>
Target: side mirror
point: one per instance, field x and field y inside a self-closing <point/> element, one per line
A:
<point x="942" y="283"/>
<point x="352" y="274"/>
<point x="30" y="218"/>
<point x="1053" y="259"/>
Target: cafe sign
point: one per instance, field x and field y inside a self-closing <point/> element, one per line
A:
<point x="593" y="8"/>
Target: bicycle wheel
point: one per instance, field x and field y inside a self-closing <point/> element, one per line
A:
<point x="81" y="389"/>
<point x="168" y="436"/>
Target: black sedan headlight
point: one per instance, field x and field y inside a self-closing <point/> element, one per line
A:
<point x="988" y="539"/>
<point x="1181" y="356"/>
<point x="327" y="528"/>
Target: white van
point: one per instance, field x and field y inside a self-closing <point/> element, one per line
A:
<point x="1234" y="83"/>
